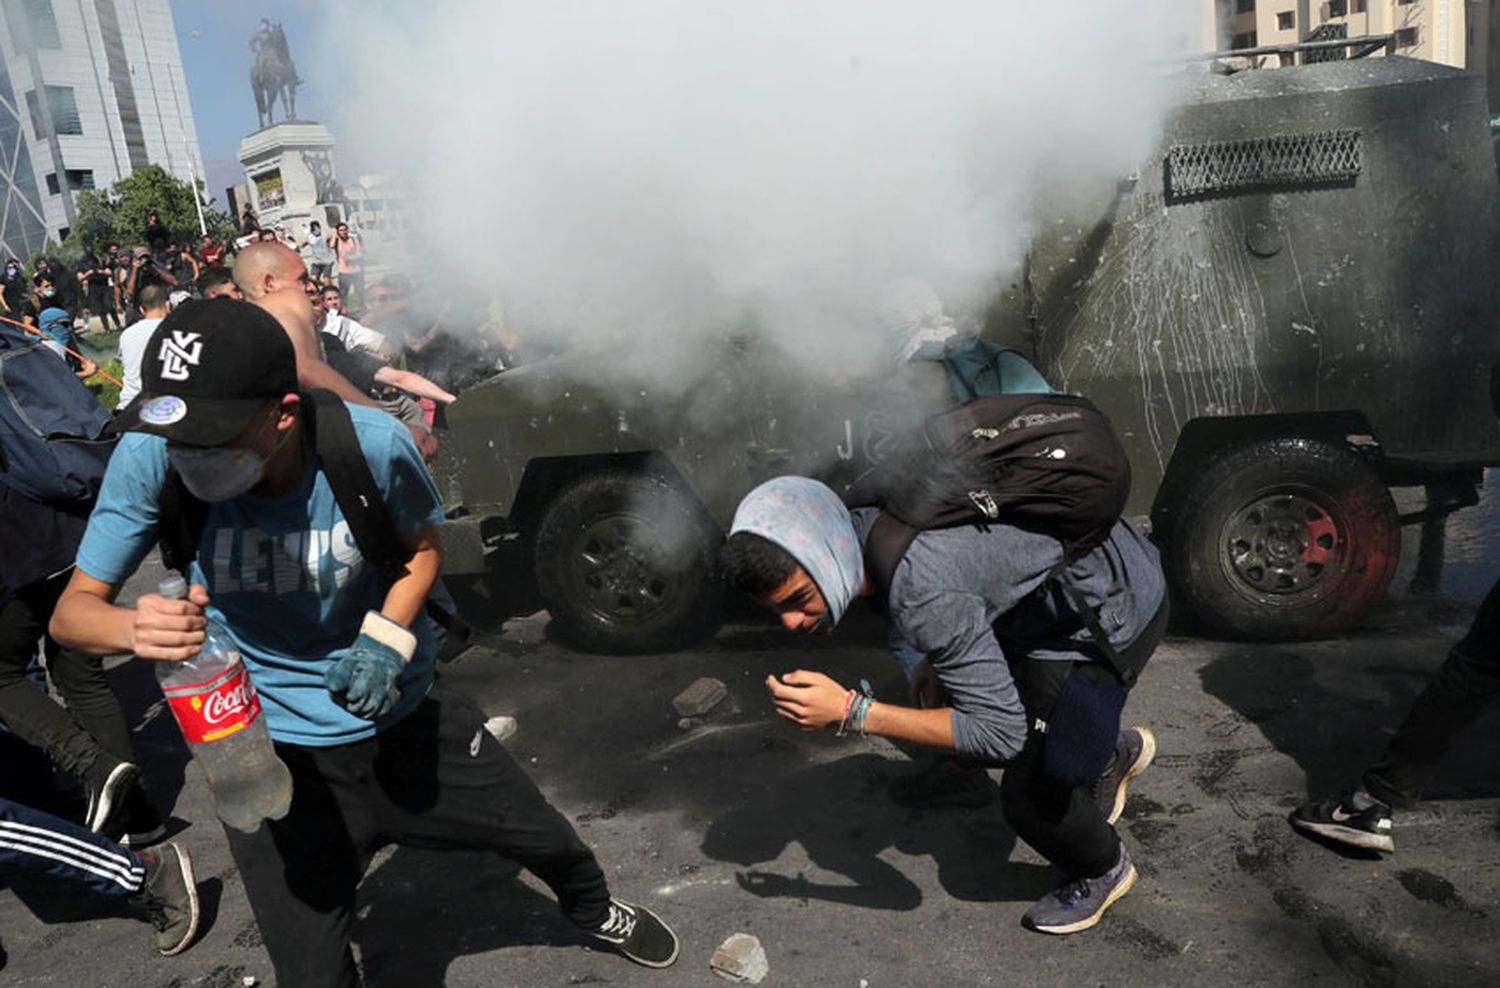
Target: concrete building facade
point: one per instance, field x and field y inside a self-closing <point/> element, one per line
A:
<point x="1433" y="30"/>
<point x="90" y="91"/>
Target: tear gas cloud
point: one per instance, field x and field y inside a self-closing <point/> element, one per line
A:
<point x="645" y="175"/>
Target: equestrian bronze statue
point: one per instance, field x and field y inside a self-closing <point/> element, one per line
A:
<point x="273" y="75"/>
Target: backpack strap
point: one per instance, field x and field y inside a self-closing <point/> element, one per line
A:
<point x="1125" y="667"/>
<point x="182" y="516"/>
<point x="885" y="544"/>
<point x="364" y="508"/>
<point x="179" y="523"/>
<point x="360" y="500"/>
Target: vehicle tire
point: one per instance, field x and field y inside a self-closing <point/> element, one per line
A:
<point x="627" y="562"/>
<point x="1284" y="539"/>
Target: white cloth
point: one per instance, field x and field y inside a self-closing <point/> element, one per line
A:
<point x="132" y="351"/>
<point x="356" y="338"/>
<point x="914" y="317"/>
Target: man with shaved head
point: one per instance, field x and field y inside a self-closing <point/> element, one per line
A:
<point x="262" y="269"/>
<point x="274" y="277"/>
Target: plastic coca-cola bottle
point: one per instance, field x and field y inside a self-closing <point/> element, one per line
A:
<point x="216" y="707"/>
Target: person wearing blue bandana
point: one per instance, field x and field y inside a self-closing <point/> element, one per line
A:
<point x="46" y="313"/>
<point x="1009" y="677"/>
<point x="341" y="655"/>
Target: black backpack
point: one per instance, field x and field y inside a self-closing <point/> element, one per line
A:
<point x="182" y="516"/>
<point x="53" y="446"/>
<point x="1048" y="463"/>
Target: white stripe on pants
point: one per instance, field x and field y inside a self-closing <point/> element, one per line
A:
<point x="122" y="869"/>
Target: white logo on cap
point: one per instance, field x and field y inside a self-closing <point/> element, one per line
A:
<point x="179" y="353"/>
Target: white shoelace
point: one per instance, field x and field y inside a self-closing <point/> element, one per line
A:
<point x="621" y="923"/>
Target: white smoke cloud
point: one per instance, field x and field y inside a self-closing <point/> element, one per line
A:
<point x="648" y="171"/>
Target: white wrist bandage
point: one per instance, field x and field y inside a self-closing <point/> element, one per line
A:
<point x="389" y="633"/>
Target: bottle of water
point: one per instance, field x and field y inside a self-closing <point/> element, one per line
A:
<point x="216" y="707"/>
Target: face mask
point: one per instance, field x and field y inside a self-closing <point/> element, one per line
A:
<point x="12" y="271"/>
<point x="219" y="474"/>
<point x="47" y="292"/>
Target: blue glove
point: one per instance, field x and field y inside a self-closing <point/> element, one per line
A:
<point x="363" y="682"/>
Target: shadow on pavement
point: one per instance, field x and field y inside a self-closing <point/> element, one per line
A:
<point x="840" y="815"/>
<point x="53" y="901"/>
<point x="470" y="902"/>
<point x="1332" y="706"/>
<point x="750" y="783"/>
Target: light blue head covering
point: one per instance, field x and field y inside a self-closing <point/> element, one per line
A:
<point x="808" y="520"/>
<point x="56" y="324"/>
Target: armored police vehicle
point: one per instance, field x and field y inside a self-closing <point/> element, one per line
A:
<point x="1289" y="310"/>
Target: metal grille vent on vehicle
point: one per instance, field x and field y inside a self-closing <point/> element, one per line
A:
<point x="447" y="475"/>
<point x="1321" y="157"/>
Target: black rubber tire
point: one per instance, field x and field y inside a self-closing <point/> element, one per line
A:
<point x="628" y="563"/>
<point x="1283" y="539"/>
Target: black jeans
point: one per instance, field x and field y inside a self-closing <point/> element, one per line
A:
<point x="436" y="780"/>
<point x="1457" y="692"/>
<point x="93" y="721"/>
<point x="102" y="304"/>
<point x="1060" y="819"/>
<point x="1061" y="822"/>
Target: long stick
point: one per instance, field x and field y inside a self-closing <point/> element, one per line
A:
<point x="75" y="353"/>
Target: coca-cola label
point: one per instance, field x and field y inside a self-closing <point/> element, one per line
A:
<point x="217" y="708"/>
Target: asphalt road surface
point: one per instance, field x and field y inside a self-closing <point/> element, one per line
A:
<point x="738" y="822"/>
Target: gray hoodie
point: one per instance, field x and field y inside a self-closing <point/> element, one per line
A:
<point x="954" y="585"/>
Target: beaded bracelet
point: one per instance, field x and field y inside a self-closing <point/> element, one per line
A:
<point x="857" y="722"/>
<point x="862" y="706"/>
<point x="844" y="721"/>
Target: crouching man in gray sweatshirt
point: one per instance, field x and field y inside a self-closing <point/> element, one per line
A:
<point x="1012" y="677"/>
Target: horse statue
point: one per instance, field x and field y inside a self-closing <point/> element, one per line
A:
<point x="273" y="76"/>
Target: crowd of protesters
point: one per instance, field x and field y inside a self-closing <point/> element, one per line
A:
<point x="405" y="350"/>
<point x="104" y="283"/>
<point x="266" y="312"/>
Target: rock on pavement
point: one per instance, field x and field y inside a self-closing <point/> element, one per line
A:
<point x="740" y="958"/>
<point x="701" y="697"/>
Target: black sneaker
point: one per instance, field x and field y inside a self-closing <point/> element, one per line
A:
<point x="170" y="897"/>
<point x="1079" y="905"/>
<point x="638" y="933"/>
<point x="142" y="825"/>
<point x="107" y="782"/>
<point x="1134" y="749"/>
<point x="946" y="783"/>
<point x="1336" y="819"/>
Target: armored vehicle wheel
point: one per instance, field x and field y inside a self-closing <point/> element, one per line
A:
<point x="628" y="563"/>
<point x="1284" y="539"/>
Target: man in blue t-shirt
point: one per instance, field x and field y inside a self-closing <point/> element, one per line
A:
<point x="341" y="657"/>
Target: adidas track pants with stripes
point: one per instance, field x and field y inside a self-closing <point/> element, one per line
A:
<point x="33" y="841"/>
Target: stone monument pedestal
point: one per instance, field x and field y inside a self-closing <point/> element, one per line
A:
<point x="289" y="170"/>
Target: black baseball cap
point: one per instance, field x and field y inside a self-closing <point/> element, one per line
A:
<point x="208" y="369"/>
